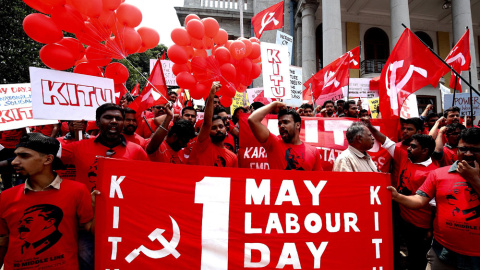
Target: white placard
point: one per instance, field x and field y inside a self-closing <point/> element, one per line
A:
<point x="68" y="96"/>
<point x="409" y="107"/>
<point x="170" y="78"/>
<point x="252" y="93"/>
<point x="16" y="107"/>
<point x="462" y="100"/>
<point x="360" y="88"/>
<point x="334" y="96"/>
<point x="276" y="71"/>
<point x="296" y="87"/>
<point x="286" y="40"/>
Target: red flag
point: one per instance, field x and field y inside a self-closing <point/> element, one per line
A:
<point x="354" y="55"/>
<point x="120" y="91"/>
<point x="332" y="77"/>
<point x="136" y="90"/>
<point x="268" y="19"/>
<point x="261" y="98"/>
<point x="410" y="67"/>
<point x="154" y="93"/>
<point x="163" y="56"/>
<point x="178" y="105"/>
<point x="459" y="58"/>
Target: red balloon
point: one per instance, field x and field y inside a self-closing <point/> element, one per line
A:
<point x="198" y="91"/>
<point x="228" y="72"/>
<point x="238" y="49"/>
<point x="191" y="17"/>
<point x="228" y="44"/>
<point x="117" y="72"/>
<point x="208" y="43"/>
<point x="180" y="36"/>
<point x="111" y="4"/>
<point x="57" y="56"/>
<point x="211" y="27"/>
<point x="88" y="35"/>
<point x="75" y="47"/>
<point x="54" y="3"/>
<point x="83" y="60"/>
<point x="195" y="29"/>
<point x="245" y="66"/>
<point x="189" y="50"/>
<point x="197" y="43"/>
<point x="150" y="37"/>
<point x="177" y="68"/>
<point x="68" y="18"/>
<point x="255" y="51"/>
<point x="256" y="70"/>
<point x="88" y="69"/>
<point x="177" y="54"/>
<point x="186" y="80"/>
<point x="115" y="50"/>
<point x="200" y="53"/>
<point x="142" y="49"/>
<point x="241" y="88"/>
<point x="90" y="8"/>
<point x="248" y="46"/>
<point x="42" y="28"/>
<point x="40" y="6"/>
<point x="199" y="66"/>
<point x="222" y="54"/>
<point x="226" y="101"/>
<point x="98" y="56"/>
<point x="129" y="15"/>
<point x="254" y="39"/>
<point x="107" y="19"/>
<point x="221" y="37"/>
<point x="131" y="39"/>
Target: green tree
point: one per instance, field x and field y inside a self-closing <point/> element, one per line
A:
<point x="17" y="50"/>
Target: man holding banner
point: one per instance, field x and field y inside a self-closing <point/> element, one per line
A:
<point x="286" y="151"/>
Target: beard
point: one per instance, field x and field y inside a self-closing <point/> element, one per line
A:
<point x="129" y="130"/>
<point x="219" y="137"/>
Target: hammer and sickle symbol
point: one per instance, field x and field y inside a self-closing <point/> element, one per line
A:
<point x="268" y="21"/>
<point x="168" y="247"/>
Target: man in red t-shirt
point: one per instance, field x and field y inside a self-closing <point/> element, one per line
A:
<point x="286" y="151"/>
<point x="450" y="116"/>
<point x="130" y="126"/>
<point x="456" y="191"/>
<point x="73" y="135"/>
<point x="209" y="149"/>
<point x="327" y="110"/>
<point x="232" y="130"/>
<point x="40" y="220"/>
<point x="146" y="129"/>
<point x="446" y="154"/>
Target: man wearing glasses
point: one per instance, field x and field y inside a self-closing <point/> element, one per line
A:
<point x="456" y="190"/>
<point x="446" y="154"/>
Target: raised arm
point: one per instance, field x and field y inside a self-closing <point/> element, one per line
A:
<point x="375" y="132"/>
<point x="260" y="131"/>
<point x="412" y="201"/>
<point x="440" y="122"/>
<point x="204" y="133"/>
<point x="439" y="140"/>
<point x="159" y="134"/>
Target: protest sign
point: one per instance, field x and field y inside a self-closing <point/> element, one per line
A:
<point x="360" y="88"/>
<point x="276" y="71"/>
<point x="334" y="96"/>
<point x="16" y="104"/>
<point x="327" y="134"/>
<point x="238" y="101"/>
<point x="170" y="78"/>
<point x="373" y="103"/>
<point x="296" y="87"/>
<point x="286" y="40"/>
<point x="252" y="93"/>
<point x="68" y="96"/>
<point x="462" y="100"/>
<point x="409" y="107"/>
<point x="230" y="218"/>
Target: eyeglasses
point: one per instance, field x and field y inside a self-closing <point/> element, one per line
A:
<point x="472" y="150"/>
<point x="159" y="107"/>
<point x="110" y="152"/>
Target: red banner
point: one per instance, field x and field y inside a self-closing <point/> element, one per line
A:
<point x="327" y="134"/>
<point x="192" y="217"/>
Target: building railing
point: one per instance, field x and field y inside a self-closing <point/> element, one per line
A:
<point x="372" y="66"/>
<point x="226" y="4"/>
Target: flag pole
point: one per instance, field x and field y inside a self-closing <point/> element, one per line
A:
<point x="471" y="94"/>
<point x="148" y="125"/>
<point x="443" y="61"/>
<point x="454" y="91"/>
<point x="311" y="93"/>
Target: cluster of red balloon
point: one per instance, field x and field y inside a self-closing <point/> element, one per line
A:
<point x="202" y="54"/>
<point x="106" y="28"/>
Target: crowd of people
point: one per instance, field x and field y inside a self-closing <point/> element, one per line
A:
<point x="48" y="174"/>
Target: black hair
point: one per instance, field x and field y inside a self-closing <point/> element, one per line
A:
<point x="293" y="113"/>
<point x="217" y="117"/>
<point x="430" y="115"/>
<point x="218" y="110"/>
<point x="425" y="141"/>
<point x="346" y="106"/>
<point x="363" y="111"/>
<point x="128" y="110"/>
<point x="235" y="118"/>
<point x="452" y="127"/>
<point x="470" y="135"/>
<point x="416" y="122"/>
<point x="108" y="107"/>
<point x="451" y="109"/>
<point x="183" y="128"/>
<point x="327" y="102"/>
<point x="256" y="105"/>
<point x="307" y="105"/>
<point x="189" y="108"/>
<point x="172" y="92"/>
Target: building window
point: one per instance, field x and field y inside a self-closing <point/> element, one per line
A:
<point x="376" y="51"/>
<point x="423" y="101"/>
<point x="425" y="38"/>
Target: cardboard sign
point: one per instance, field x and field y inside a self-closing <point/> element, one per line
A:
<point x="68" y="96"/>
<point x="196" y="217"/>
<point x="296" y="87"/>
<point x="286" y="40"/>
<point x="238" y="101"/>
<point x="373" y="104"/>
<point x="170" y="78"/>
<point x="16" y="104"/>
<point x="462" y="100"/>
<point x="252" y="93"/>
<point x="276" y="71"/>
<point x="360" y="88"/>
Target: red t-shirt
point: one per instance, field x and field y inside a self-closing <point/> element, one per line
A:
<point x="45" y="130"/>
<point x="143" y="129"/>
<point x="394" y="171"/>
<point x="91" y="126"/>
<point x="166" y="154"/>
<point x="137" y="139"/>
<point x="229" y="142"/>
<point x="49" y="228"/>
<point x="188" y="149"/>
<point x="286" y="156"/>
<point x="83" y="154"/>
<point x="69" y="172"/>
<point x="208" y="154"/>
<point x="449" y="157"/>
<point x="64" y="128"/>
<point x="10" y="138"/>
<point x="411" y="177"/>
<point x="457" y="222"/>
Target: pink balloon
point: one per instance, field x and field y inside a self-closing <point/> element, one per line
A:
<point x="117" y="72"/>
<point x="42" y="28"/>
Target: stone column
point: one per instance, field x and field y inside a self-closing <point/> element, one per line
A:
<point x="461" y="18"/>
<point x="332" y="31"/>
<point x="308" y="9"/>
<point x="399" y="14"/>
<point x="298" y="41"/>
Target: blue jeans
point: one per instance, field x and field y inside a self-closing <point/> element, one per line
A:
<point x="86" y="250"/>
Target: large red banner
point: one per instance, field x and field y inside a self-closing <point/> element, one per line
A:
<point x="327" y="134"/>
<point x="166" y="216"/>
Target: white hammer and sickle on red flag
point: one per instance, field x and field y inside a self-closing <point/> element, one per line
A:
<point x="268" y="21"/>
